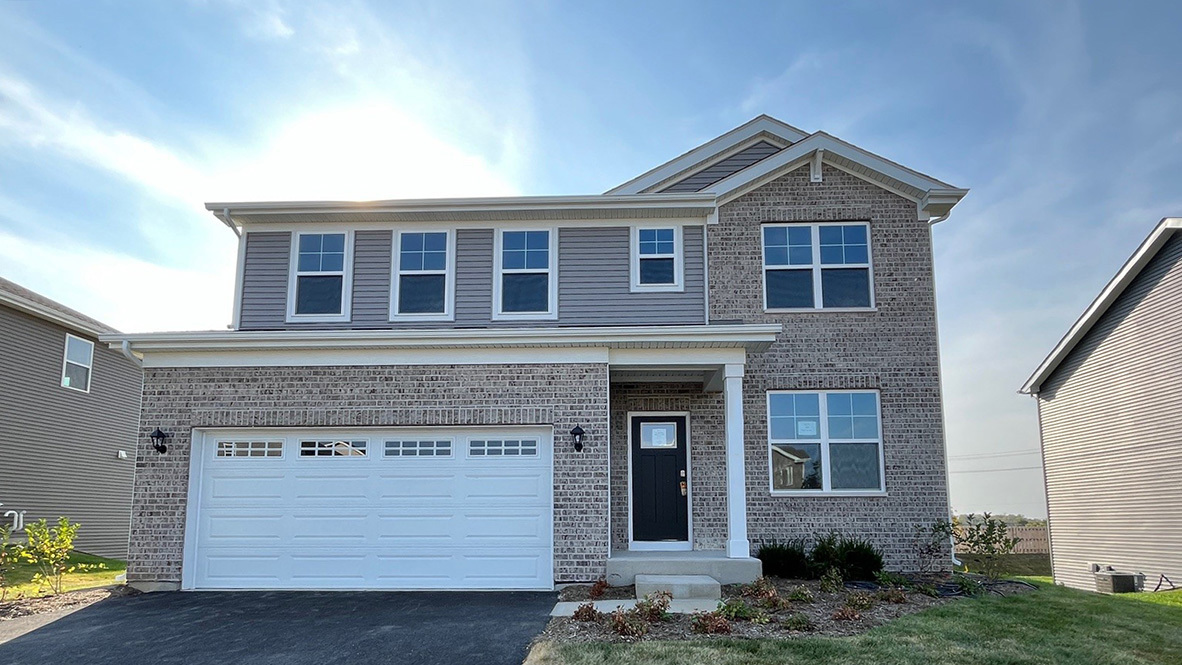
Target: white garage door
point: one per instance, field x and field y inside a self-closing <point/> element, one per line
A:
<point x="356" y="509"/>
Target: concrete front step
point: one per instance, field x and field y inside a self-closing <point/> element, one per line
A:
<point x="681" y="587"/>
<point x="623" y="566"/>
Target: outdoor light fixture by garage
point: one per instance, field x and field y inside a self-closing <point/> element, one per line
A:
<point x="158" y="438"/>
<point x="576" y="435"/>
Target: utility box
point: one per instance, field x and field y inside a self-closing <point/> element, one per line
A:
<point x="1110" y="581"/>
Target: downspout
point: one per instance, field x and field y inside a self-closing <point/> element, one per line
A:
<point x="225" y="217"/>
<point x="943" y="420"/>
<point x="126" y="348"/>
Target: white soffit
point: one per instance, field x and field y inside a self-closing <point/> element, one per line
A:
<point x="1165" y="229"/>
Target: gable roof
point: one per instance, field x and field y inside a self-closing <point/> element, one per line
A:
<point x="1164" y="230"/>
<point x="18" y="297"/>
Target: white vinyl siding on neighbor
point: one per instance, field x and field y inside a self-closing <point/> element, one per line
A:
<point x="410" y="515"/>
<point x="657" y="259"/>
<point x="77" y="363"/>
<point x="525" y="274"/>
<point x="423" y="276"/>
<point x="824" y="442"/>
<point x="825" y="266"/>
<point x="321" y="275"/>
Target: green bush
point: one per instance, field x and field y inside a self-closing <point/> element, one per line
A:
<point x="654" y="607"/>
<point x="860" y="600"/>
<point x="737" y="609"/>
<point x="855" y="558"/>
<point x="798" y="621"/>
<point x="48" y="548"/>
<point x="801" y="594"/>
<point x="832" y="582"/>
<point x="987" y="538"/>
<point x="893" y="580"/>
<point x="7" y="558"/>
<point x="787" y="559"/>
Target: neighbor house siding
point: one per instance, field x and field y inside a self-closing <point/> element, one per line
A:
<point x="593" y="282"/>
<point x="59" y="447"/>
<point x="1112" y="435"/>
<point x="892" y="349"/>
<point x="178" y="400"/>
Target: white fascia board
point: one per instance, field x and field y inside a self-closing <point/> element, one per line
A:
<point x="799" y="153"/>
<point x="693" y="200"/>
<point x="40" y="311"/>
<point x="736" y="136"/>
<point x="757" y="336"/>
<point x="1113" y="290"/>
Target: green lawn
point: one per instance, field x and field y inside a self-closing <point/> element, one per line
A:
<point x="1052" y="625"/>
<point x="20" y="577"/>
<point x="1014" y="564"/>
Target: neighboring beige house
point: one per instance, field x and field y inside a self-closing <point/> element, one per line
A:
<point x="518" y="392"/>
<point x="69" y="407"/>
<point x="1114" y="385"/>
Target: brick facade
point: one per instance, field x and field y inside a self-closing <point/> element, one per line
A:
<point x="893" y="349"/>
<point x="178" y="400"/>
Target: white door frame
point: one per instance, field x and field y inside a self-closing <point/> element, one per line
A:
<point x="663" y="546"/>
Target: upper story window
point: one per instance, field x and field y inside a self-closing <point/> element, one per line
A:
<point x="657" y="263"/>
<point x="319" y="288"/>
<point x="525" y="282"/>
<point x="77" y="364"/>
<point x="424" y="282"/>
<point x="824" y="441"/>
<point x="817" y="266"/>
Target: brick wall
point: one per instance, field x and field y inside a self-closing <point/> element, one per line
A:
<point x="893" y="349"/>
<point x="177" y="400"/>
<point x="707" y="449"/>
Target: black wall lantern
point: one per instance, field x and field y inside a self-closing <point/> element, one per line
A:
<point x="158" y="438"/>
<point x="576" y="435"/>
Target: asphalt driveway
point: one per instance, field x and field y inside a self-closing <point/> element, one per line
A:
<point x="292" y="628"/>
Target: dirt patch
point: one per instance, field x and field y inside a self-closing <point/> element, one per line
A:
<point x="783" y="618"/>
<point x="582" y="592"/>
<point x="13" y="609"/>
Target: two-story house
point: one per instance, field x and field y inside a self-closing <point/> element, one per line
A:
<point x="69" y="407"/>
<point x="736" y="346"/>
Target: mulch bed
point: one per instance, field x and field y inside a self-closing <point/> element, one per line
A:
<point x="582" y="592"/>
<point x="12" y="609"/>
<point x="820" y="612"/>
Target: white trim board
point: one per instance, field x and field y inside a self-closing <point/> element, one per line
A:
<point x="662" y="546"/>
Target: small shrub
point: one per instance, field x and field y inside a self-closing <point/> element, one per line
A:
<point x="710" y="623"/>
<point x="587" y="613"/>
<point x="802" y="594"/>
<point x="855" y="558"/>
<point x="760" y="589"/>
<point x="892" y="595"/>
<point x="598" y="589"/>
<point x="7" y="558"/>
<point x="627" y="623"/>
<point x="859" y="600"/>
<point x="776" y="603"/>
<point x="846" y="613"/>
<point x="798" y="621"/>
<point x="825" y="555"/>
<point x="931" y="545"/>
<point x="893" y="580"/>
<point x="988" y="539"/>
<point x="928" y="590"/>
<point x="832" y="582"/>
<point x="48" y="548"/>
<point x="654" y="607"/>
<point x="967" y="585"/>
<point x="737" y="609"/>
<point x="788" y="559"/>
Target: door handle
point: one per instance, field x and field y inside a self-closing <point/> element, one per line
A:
<point x="683" y="488"/>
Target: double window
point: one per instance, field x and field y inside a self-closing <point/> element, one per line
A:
<point x="824" y="441"/>
<point x="77" y="364"/>
<point x="423" y="275"/>
<point x="657" y="263"/>
<point x="817" y="266"/>
<point x="319" y="290"/>
<point x="525" y="284"/>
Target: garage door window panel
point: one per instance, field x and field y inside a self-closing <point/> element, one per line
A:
<point x="249" y="449"/>
<point x="333" y="448"/>
<point x="503" y="448"/>
<point x="419" y="448"/>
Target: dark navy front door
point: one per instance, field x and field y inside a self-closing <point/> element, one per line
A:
<point x="660" y="482"/>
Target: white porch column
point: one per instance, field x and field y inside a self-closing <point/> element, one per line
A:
<point x="737" y="545"/>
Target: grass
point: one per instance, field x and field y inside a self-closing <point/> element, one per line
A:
<point x="20" y="578"/>
<point x="1052" y="625"/>
<point x="1014" y="564"/>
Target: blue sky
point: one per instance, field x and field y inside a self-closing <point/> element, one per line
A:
<point x="118" y="120"/>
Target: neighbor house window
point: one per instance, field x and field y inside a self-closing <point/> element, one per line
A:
<point x="817" y="266"/>
<point x="825" y="441"/>
<point x="656" y="259"/>
<point x="320" y="284"/>
<point x="525" y="281"/>
<point x="423" y="283"/>
<point x="79" y="359"/>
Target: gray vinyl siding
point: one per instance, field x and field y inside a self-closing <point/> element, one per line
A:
<point x="1112" y="435"/>
<point x="593" y="282"/>
<point x="723" y="169"/>
<point x="58" y="447"/>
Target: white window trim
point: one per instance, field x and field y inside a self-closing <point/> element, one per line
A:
<point x="678" y="257"/>
<point x="89" y="368"/>
<point x="816" y="267"/>
<point x="293" y="273"/>
<point x="449" y="273"/>
<point x="551" y="270"/>
<point x="826" y="475"/>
